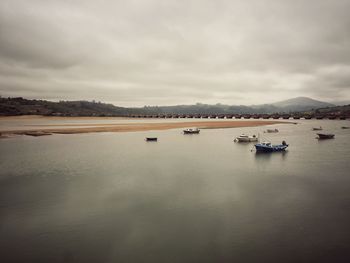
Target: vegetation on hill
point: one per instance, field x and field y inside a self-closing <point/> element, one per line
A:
<point x="336" y="110"/>
<point x="21" y="106"/>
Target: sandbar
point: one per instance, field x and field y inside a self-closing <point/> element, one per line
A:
<point x="134" y="126"/>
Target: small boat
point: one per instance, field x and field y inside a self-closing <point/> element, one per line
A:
<point x="345" y="127"/>
<point x="246" y="138"/>
<point x="317" y="128"/>
<point x="268" y="147"/>
<point x="151" y="139"/>
<point x="191" y="131"/>
<point x="322" y="136"/>
<point x="272" y="130"/>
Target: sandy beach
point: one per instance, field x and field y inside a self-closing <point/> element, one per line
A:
<point x="90" y="126"/>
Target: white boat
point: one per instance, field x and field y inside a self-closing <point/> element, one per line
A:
<point x="246" y="138"/>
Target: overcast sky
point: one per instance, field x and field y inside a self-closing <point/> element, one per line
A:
<point x="165" y="52"/>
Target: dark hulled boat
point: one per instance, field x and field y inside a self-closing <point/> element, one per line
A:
<point x="191" y="131"/>
<point x="271" y="130"/>
<point x="267" y="147"/>
<point x="151" y="139"/>
<point x="322" y="136"/>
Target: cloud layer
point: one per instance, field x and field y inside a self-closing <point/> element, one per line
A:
<point x="146" y="52"/>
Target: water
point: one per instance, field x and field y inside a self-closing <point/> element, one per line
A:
<point x="112" y="197"/>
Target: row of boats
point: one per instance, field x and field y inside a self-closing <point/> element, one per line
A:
<point x="260" y="147"/>
<point x="322" y="136"/>
<point x="268" y="147"/>
<point x="264" y="146"/>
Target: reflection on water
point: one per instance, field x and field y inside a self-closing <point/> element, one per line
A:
<point x="112" y="197"/>
<point x="266" y="156"/>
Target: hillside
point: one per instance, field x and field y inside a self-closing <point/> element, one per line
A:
<point x="21" y="106"/>
<point x="335" y="110"/>
<point x="300" y="104"/>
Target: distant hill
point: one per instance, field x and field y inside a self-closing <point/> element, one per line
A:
<point x="21" y="106"/>
<point x="300" y="104"/>
<point x="335" y="110"/>
<point x="341" y="102"/>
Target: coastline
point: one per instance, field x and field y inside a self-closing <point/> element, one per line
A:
<point x="48" y="129"/>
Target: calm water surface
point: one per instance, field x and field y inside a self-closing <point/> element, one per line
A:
<point x="112" y="197"/>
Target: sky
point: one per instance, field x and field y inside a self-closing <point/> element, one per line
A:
<point x="167" y="52"/>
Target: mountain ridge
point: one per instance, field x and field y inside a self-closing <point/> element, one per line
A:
<point x="301" y="104"/>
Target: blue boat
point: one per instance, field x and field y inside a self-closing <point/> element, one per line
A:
<point x="268" y="147"/>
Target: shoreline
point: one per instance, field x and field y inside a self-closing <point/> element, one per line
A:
<point x="133" y="127"/>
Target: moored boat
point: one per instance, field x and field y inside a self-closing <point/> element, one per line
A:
<point x="191" y="131"/>
<point x="272" y="130"/>
<point x="268" y="147"/>
<point x="345" y="127"/>
<point x="151" y="139"/>
<point x="317" y="128"/>
<point x="246" y="138"/>
<point x="322" y="136"/>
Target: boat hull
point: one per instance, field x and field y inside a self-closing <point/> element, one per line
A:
<point x="272" y="131"/>
<point x="272" y="148"/>
<point x="325" y="136"/>
<point x="191" y="132"/>
<point x="151" y="139"/>
<point x="246" y="139"/>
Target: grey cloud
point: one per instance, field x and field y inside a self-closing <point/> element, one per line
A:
<point x="159" y="52"/>
<point x="331" y="79"/>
